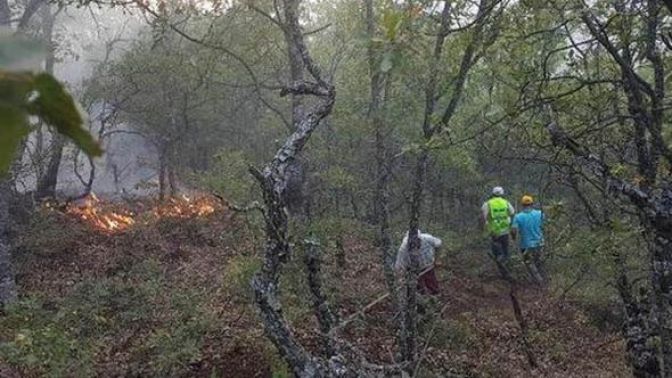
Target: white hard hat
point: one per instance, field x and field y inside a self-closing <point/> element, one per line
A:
<point x="498" y="191"/>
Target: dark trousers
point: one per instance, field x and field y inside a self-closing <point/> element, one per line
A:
<point x="427" y="283"/>
<point x="534" y="264"/>
<point x="500" y="247"/>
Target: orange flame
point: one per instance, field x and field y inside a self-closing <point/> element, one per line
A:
<point x="90" y="210"/>
<point x="185" y="207"/>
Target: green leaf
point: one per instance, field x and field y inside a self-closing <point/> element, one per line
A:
<point x="12" y="129"/>
<point x="57" y="108"/>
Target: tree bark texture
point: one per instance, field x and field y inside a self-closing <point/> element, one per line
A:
<point x="641" y="350"/>
<point x="381" y="199"/>
<point x="8" y="290"/>
<point x="325" y="317"/>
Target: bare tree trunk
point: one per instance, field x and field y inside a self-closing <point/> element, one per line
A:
<point x="381" y="200"/>
<point x="325" y="317"/>
<point x="172" y="183"/>
<point x="297" y="169"/>
<point x="46" y="185"/>
<point x="273" y="181"/>
<point x="7" y="282"/>
<point x="409" y="330"/>
<point x="642" y="353"/>
<point x="162" y="176"/>
<point x="660" y="248"/>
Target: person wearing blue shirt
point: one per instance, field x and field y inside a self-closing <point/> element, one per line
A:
<point x="527" y="227"/>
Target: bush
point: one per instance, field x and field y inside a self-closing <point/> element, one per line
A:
<point x="172" y="350"/>
<point x="107" y="306"/>
<point x="31" y="340"/>
<point x="238" y="275"/>
<point x="229" y="176"/>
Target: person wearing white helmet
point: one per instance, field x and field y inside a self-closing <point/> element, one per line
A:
<point x="496" y="215"/>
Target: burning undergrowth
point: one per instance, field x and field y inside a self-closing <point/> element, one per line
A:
<point x="113" y="218"/>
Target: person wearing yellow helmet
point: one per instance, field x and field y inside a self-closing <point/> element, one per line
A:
<point x="527" y="226"/>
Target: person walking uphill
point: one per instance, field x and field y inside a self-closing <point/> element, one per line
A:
<point x="528" y="225"/>
<point x="427" y="282"/>
<point x="496" y="216"/>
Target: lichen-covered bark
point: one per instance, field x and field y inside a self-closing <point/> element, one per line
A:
<point x="642" y="354"/>
<point x="325" y="317"/>
<point x="7" y="283"/>
<point x="342" y="360"/>
<point x="661" y="252"/>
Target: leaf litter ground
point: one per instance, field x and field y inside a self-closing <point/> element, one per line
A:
<point x="169" y="297"/>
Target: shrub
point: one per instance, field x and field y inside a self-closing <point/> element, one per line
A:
<point x="238" y="274"/>
<point x="32" y="340"/>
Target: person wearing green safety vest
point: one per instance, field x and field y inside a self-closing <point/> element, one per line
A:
<point x="496" y="215"/>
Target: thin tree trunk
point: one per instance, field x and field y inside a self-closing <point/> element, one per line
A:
<point x="46" y="185"/>
<point x="325" y="317"/>
<point x="162" y="177"/>
<point x="661" y="250"/>
<point x="273" y="180"/>
<point x="381" y="199"/>
<point x="409" y="330"/>
<point x="7" y="282"/>
<point x="172" y="184"/>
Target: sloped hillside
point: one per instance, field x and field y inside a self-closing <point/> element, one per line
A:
<point x="168" y="295"/>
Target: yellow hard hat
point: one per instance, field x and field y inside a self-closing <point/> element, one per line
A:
<point x="527" y="200"/>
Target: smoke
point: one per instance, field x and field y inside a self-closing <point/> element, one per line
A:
<point x="83" y="38"/>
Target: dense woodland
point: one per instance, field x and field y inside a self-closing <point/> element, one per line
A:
<point x="262" y="160"/>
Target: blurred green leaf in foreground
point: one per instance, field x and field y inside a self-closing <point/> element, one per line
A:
<point x="24" y="93"/>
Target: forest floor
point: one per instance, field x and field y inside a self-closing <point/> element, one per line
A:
<point x="169" y="296"/>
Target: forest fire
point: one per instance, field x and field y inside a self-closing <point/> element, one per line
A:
<point x="104" y="217"/>
<point x="185" y="207"/>
<point x="91" y="211"/>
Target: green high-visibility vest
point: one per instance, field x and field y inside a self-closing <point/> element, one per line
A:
<point x="499" y="216"/>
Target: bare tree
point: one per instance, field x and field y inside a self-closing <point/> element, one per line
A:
<point x="339" y="359"/>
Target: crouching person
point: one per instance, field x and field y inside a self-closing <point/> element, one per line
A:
<point x="427" y="282"/>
